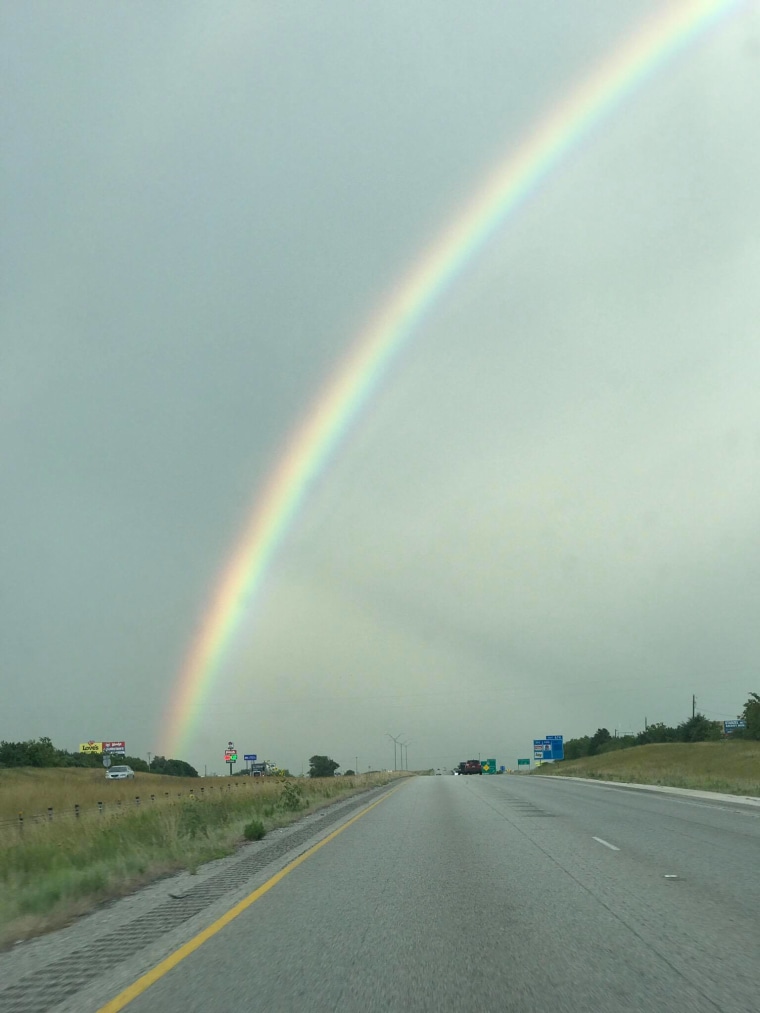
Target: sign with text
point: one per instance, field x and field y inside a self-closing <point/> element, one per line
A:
<point x="550" y="748"/>
<point x="97" y="748"/>
<point x="249" y="756"/>
<point x="115" y="747"/>
<point x="731" y="726"/>
<point x="524" y="763"/>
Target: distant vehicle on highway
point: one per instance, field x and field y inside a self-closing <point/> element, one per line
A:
<point x="121" y="773"/>
<point x="470" y="767"/>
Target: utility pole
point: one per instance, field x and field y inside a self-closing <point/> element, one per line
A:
<point x="149" y="756"/>
<point x="356" y="764"/>
<point x="693" y="705"/>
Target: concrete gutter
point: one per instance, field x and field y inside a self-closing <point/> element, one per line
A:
<point x="712" y="796"/>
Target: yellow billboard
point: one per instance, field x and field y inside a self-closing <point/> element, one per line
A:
<point x="91" y="747"/>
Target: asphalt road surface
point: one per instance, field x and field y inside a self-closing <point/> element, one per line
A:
<point x="499" y="894"/>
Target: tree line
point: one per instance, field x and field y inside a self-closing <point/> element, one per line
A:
<point x="695" y="729"/>
<point x="42" y="753"/>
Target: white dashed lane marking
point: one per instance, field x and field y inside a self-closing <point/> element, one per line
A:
<point x="606" y="844"/>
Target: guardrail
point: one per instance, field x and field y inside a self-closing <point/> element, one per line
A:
<point x="18" y="824"/>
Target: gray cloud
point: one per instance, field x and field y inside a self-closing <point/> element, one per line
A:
<point x="545" y="520"/>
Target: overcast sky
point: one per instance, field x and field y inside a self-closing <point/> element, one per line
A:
<point x="546" y="520"/>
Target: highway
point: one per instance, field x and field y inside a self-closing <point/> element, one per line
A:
<point x="498" y="893"/>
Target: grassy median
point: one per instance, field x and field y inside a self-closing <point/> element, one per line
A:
<point x="52" y="870"/>
<point x="730" y="767"/>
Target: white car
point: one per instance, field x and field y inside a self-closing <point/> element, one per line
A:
<point x="119" y="773"/>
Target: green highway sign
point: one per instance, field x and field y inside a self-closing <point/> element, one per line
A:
<point x="523" y="763"/>
<point x="489" y="766"/>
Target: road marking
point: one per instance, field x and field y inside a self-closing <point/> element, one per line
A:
<point x="168" y="963"/>
<point x="606" y="844"/>
<point x="653" y="791"/>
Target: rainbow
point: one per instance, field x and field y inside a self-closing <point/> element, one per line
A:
<point x="316" y="439"/>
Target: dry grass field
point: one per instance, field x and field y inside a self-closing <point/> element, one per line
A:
<point x="54" y="870"/>
<point x="32" y="791"/>
<point x="731" y="767"/>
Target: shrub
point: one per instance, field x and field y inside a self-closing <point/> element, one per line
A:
<point x="291" y="796"/>
<point x="254" y="830"/>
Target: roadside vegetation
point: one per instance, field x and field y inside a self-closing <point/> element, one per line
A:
<point x="732" y="767"/>
<point x="694" y="754"/>
<point x="54" y="870"/>
<point x="697" y="728"/>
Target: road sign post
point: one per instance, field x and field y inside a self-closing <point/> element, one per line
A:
<point x="230" y="755"/>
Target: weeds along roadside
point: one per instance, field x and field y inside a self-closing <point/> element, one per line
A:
<point x="728" y="767"/>
<point x="33" y="791"/>
<point x="52" y="872"/>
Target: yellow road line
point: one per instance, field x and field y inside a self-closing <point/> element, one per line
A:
<point x="143" y="984"/>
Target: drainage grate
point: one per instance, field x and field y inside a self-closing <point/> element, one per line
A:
<point x="62" y="978"/>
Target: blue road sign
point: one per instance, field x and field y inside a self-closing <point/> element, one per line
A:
<point x="249" y="756"/>
<point x="731" y="726"/>
<point x="550" y="748"/>
<point x="557" y="746"/>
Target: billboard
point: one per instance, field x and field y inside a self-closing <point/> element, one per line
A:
<point x="731" y="726"/>
<point x="91" y="747"/>
<point x="96" y="748"/>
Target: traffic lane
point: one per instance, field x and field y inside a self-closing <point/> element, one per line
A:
<point x="695" y="924"/>
<point x="716" y="846"/>
<point x="436" y="900"/>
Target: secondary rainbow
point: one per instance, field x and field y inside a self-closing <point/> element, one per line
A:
<point x="317" y="437"/>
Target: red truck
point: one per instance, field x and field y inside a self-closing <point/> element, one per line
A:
<point x="470" y="767"/>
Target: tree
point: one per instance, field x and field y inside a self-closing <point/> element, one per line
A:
<point x="32" y="753"/>
<point x="349" y="773"/>
<point x="600" y="736"/>
<point x="657" y="732"/>
<point x="751" y="715"/>
<point x="174" y="768"/>
<point x="698" y="729"/>
<point x="576" y="748"/>
<point x="322" y="766"/>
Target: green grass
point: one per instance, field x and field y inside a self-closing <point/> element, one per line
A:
<point x="729" y="767"/>
<point x="52" y="872"/>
